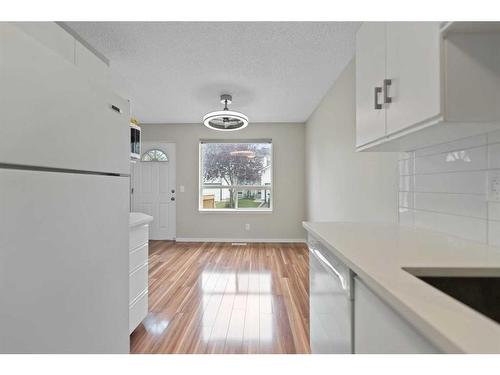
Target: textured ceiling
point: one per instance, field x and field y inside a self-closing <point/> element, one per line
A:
<point x="174" y="72"/>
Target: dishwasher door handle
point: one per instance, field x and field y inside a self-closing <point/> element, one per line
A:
<point x="321" y="258"/>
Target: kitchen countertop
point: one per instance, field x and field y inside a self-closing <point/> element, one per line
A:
<point x="138" y="218"/>
<point x="377" y="253"/>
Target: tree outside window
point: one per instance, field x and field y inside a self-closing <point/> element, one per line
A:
<point x="235" y="176"/>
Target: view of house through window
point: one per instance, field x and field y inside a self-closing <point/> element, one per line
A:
<point x="235" y="176"/>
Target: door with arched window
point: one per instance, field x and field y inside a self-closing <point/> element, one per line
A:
<point x="154" y="189"/>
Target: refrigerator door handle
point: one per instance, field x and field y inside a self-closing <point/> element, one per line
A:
<point x="115" y="108"/>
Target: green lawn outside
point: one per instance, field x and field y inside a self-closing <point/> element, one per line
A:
<point x="248" y="203"/>
<point x="242" y="203"/>
<point x="222" y="204"/>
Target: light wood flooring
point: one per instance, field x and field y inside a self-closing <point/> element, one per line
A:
<point x="220" y="298"/>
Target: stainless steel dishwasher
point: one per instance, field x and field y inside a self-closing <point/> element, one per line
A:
<point x="331" y="301"/>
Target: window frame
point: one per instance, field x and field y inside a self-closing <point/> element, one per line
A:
<point x="154" y="160"/>
<point x="236" y="209"/>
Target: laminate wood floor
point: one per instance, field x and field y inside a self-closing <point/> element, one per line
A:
<point x="220" y="298"/>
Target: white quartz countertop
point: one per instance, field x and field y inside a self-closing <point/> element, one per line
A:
<point x="138" y="218"/>
<point x="377" y="253"/>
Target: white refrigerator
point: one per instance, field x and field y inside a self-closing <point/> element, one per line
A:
<point x="64" y="193"/>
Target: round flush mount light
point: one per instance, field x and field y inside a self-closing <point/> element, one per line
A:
<point x="225" y="120"/>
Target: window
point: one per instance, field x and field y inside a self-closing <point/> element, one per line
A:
<point x="154" y="155"/>
<point x="235" y="176"/>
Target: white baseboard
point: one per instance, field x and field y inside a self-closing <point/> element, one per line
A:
<point x="270" y="240"/>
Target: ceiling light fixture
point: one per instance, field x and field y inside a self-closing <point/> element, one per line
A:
<point x="225" y="120"/>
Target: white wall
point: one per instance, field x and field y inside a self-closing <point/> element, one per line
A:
<point x="445" y="188"/>
<point x="341" y="183"/>
<point x="284" y="223"/>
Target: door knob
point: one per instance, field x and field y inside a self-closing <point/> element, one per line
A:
<point x="172" y="199"/>
<point x="173" y="191"/>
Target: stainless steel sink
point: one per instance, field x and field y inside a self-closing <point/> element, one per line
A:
<point x="478" y="288"/>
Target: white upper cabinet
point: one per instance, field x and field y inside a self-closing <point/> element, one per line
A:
<point x="412" y="83"/>
<point x="473" y="76"/>
<point x="370" y="67"/>
<point x="53" y="115"/>
<point x="440" y="83"/>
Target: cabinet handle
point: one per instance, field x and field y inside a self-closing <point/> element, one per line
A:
<point x="387" y="98"/>
<point x="378" y="90"/>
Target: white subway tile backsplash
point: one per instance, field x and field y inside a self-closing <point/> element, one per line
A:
<point x="406" y="216"/>
<point x="461" y="144"/>
<point x="405" y="183"/>
<point x="404" y="155"/>
<point x="494" y="156"/>
<point x="494" y="211"/>
<point x="405" y="199"/>
<point x="493" y="185"/>
<point x="406" y="167"/>
<point x="456" y="204"/>
<point x="461" y="226"/>
<point x="446" y="188"/>
<point x="465" y="182"/>
<point x="494" y="233"/>
<point x="453" y="161"/>
<point x="494" y="137"/>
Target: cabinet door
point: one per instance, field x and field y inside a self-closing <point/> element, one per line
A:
<point x="378" y="329"/>
<point x="370" y="73"/>
<point x="413" y="66"/>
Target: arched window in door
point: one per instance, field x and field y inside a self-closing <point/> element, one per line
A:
<point x="154" y="155"/>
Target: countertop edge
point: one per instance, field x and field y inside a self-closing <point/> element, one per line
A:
<point x="138" y="218"/>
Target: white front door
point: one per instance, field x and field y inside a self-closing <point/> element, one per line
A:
<point x="154" y="190"/>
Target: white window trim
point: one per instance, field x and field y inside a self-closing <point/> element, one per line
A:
<point x="235" y="210"/>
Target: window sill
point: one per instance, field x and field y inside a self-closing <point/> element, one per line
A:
<point x="230" y="211"/>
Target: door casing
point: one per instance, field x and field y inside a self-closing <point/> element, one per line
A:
<point x="153" y="187"/>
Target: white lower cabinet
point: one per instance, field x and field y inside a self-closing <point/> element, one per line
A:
<point x="138" y="279"/>
<point x="378" y="329"/>
<point x="138" y="311"/>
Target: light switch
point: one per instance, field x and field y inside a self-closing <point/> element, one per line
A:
<point x="181" y="188"/>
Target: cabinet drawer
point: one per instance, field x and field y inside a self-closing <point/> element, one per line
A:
<point x="138" y="236"/>
<point x="138" y="282"/>
<point x="138" y="257"/>
<point x="138" y="312"/>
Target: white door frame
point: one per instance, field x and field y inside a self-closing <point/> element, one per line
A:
<point x="155" y="233"/>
